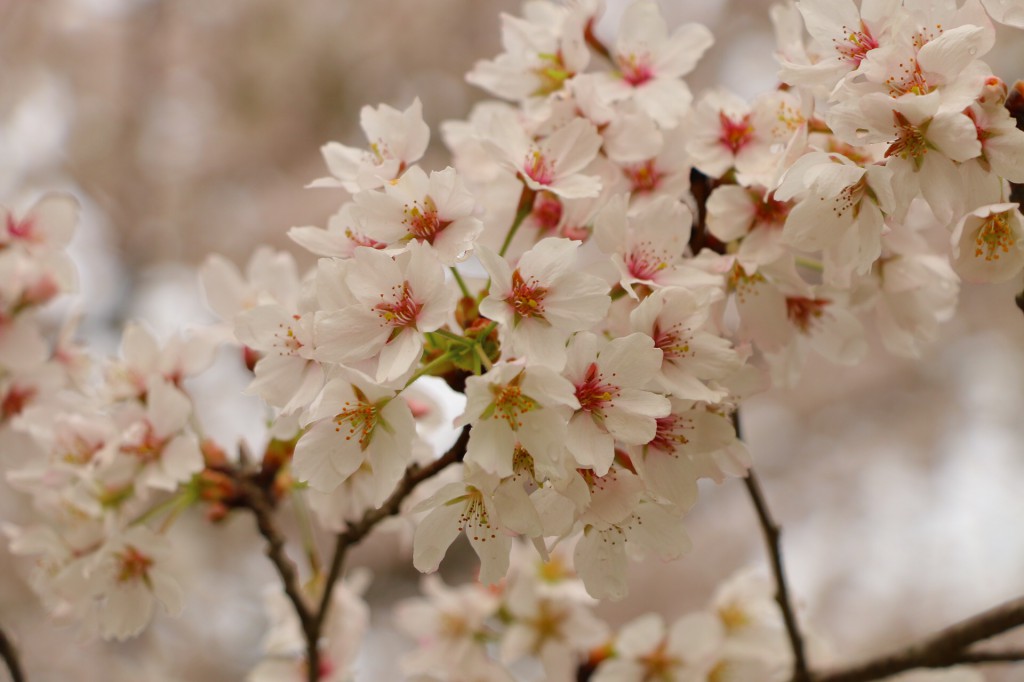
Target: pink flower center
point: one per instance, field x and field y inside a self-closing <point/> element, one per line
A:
<point x="15" y="400"/>
<point x="76" y="449"/>
<point x="669" y="435"/>
<point x="424" y="223"/>
<point x="527" y="298"/>
<point x="326" y="667"/>
<point x="538" y="168"/>
<point x="644" y="261"/>
<point x="735" y="133"/>
<point x="855" y="46"/>
<point x="402" y="310"/>
<point x="674" y="341"/>
<point x="636" y="68"/>
<point x="643" y="177"/>
<point x="768" y="211"/>
<point x="805" y="312"/>
<point x="547" y="211"/>
<point x="146" y="448"/>
<point x="359" y="239"/>
<point x="593" y="393"/>
<point x="132" y="565"/>
<point x="19" y="229"/>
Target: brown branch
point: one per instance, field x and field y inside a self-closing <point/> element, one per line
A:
<point x="9" y="653"/>
<point x="772" y="533"/>
<point x="355" y="532"/>
<point x="254" y="498"/>
<point x="943" y="649"/>
<point x="982" y="657"/>
<point x="772" y="537"/>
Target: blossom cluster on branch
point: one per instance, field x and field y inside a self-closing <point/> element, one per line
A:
<point x="606" y="270"/>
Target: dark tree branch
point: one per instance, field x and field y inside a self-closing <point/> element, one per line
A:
<point x="772" y="533"/>
<point x="10" y="655"/>
<point x="355" y="532"/>
<point x="254" y="498"/>
<point x="982" y="657"/>
<point x="772" y="537"/>
<point x="945" y="648"/>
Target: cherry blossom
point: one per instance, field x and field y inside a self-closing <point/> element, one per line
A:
<point x="555" y="162"/>
<point x="47" y="226"/>
<point x="647" y="244"/>
<point x="650" y="63"/>
<point x="842" y="213"/>
<point x="397" y="140"/>
<point x="610" y="380"/>
<point x="987" y="244"/>
<point x="451" y="624"/>
<point x="543" y="50"/>
<point x="394" y="300"/>
<point x="354" y="425"/>
<point x="542" y="300"/>
<point x="161" y="441"/>
<point x="287" y="376"/>
<point x="124" y="579"/>
<point x="550" y="624"/>
<point x="646" y="650"/>
<point x="513" y="406"/>
<point x="437" y="210"/>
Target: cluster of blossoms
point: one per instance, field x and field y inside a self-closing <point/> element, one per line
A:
<point x="542" y="614"/>
<point x="542" y="611"/>
<point x="608" y="268"/>
<point x="91" y="454"/>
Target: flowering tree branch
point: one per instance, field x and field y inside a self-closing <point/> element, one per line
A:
<point x="946" y="648"/>
<point x="10" y="656"/>
<point x="355" y="532"/>
<point x="982" y="657"/>
<point x="254" y="498"/>
<point x="943" y="649"/>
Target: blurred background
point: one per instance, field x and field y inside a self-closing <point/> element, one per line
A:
<point x="188" y="126"/>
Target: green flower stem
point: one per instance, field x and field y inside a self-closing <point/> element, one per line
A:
<point x="429" y="367"/>
<point x="810" y="264"/>
<point x="167" y="505"/>
<point x="525" y="208"/>
<point x="461" y="282"/>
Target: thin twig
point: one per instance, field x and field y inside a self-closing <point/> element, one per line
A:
<point x="356" y="531"/>
<point x="772" y="533"/>
<point x="943" y="649"/>
<point x="772" y="538"/>
<point x="255" y="499"/>
<point x="10" y="655"/>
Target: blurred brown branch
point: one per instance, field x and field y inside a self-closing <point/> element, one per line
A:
<point x="946" y="648"/>
<point x="259" y="500"/>
<point x="355" y="532"/>
<point x="772" y="536"/>
<point x="10" y="656"/>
